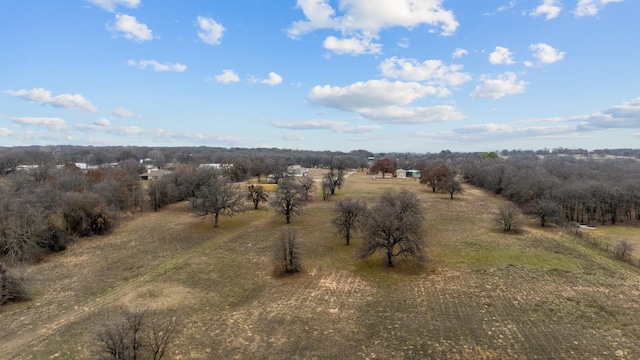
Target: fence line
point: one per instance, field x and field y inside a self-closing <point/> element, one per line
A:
<point x="614" y="250"/>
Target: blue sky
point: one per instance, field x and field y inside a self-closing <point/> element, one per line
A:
<point x="380" y="75"/>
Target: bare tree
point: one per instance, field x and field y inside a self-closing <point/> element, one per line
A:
<point x="395" y="225"/>
<point x="544" y="209"/>
<point x="288" y="200"/>
<point x="286" y="256"/>
<point x="623" y="249"/>
<point x="133" y="335"/>
<point x="509" y="218"/>
<point x="348" y="215"/>
<point x="450" y="185"/>
<point x="218" y="196"/>
<point x="257" y="195"/>
<point x="307" y="184"/>
<point x="326" y="188"/>
<point x="11" y="287"/>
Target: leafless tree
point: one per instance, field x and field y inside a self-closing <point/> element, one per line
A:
<point x="509" y="218"/>
<point x="395" y="225"/>
<point x="450" y="185"/>
<point x="218" y="196"/>
<point x="11" y="287"/>
<point x="326" y="188"/>
<point x="348" y="215"/>
<point x="307" y="184"/>
<point x="257" y="195"/>
<point x="132" y="335"/>
<point x="544" y="209"/>
<point x="623" y="249"/>
<point x="286" y="256"/>
<point x="288" y="199"/>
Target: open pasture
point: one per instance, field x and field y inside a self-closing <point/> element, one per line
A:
<point x="488" y="295"/>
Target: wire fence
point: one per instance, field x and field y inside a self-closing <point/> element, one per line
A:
<point x="621" y="250"/>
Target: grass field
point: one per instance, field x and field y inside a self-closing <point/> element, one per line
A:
<point x="484" y="295"/>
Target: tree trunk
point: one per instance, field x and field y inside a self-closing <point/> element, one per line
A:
<point x="389" y="257"/>
<point x="215" y="219"/>
<point x="348" y="237"/>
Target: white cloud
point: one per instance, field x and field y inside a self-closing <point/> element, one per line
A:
<point x="550" y="8"/>
<point x="228" y="76"/>
<point x="102" y="122"/>
<point x="369" y="94"/>
<point x="110" y="5"/>
<point x="143" y="64"/>
<point x="546" y="54"/>
<point x="362" y="20"/>
<point x="5" y="132"/>
<point x="458" y="53"/>
<point x="210" y="31"/>
<point x="332" y="125"/>
<point x="404" y="43"/>
<point x="501" y="56"/>
<point x="433" y="72"/>
<point x="360" y="129"/>
<point x="273" y="79"/>
<point x="351" y="46"/>
<point x="43" y="96"/>
<point x="500" y="86"/>
<point x="413" y="115"/>
<point x="124" y="113"/>
<point x="292" y="136"/>
<point x="131" y="28"/>
<point x="626" y="115"/>
<point x="310" y="124"/>
<point x="51" y="123"/>
<point x="591" y="7"/>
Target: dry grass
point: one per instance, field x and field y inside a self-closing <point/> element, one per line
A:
<point x="484" y="295"/>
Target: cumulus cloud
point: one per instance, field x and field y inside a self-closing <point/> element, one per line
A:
<point x="458" y="53"/>
<point x="591" y="7"/>
<point x="369" y="94"/>
<point x="501" y="56"/>
<point x="546" y="54"/>
<point x="291" y="136"/>
<point x="362" y="20"/>
<point x="51" y="123"/>
<point x="500" y="86"/>
<point x="433" y="72"/>
<point x="210" y="31"/>
<point x="352" y="46"/>
<point x="5" y="132"/>
<point x="549" y="8"/>
<point x="273" y="79"/>
<point x="110" y="5"/>
<point x="157" y="66"/>
<point x="228" y="76"/>
<point x="43" y="96"/>
<point x="131" y="28"/>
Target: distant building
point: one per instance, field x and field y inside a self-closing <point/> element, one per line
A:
<point x="413" y="173"/>
<point x="401" y="174"/>
<point x="215" y="166"/>
<point x="297" y="170"/>
<point x="154" y="174"/>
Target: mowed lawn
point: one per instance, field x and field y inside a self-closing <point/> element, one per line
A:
<point x="485" y="294"/>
